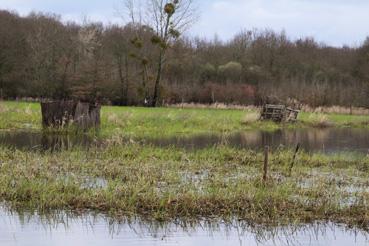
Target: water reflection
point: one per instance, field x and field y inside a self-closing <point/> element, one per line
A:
<point x="63" y="229"/>
<point x="313" y="140"/>
<point x="45" y="141"/>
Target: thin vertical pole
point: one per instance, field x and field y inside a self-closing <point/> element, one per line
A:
<point x="293" y="159"/>
<point x="265" y="170"/>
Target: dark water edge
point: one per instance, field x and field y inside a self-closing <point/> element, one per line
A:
<point x="330" y="140"/>
<point x="23" y="229"/>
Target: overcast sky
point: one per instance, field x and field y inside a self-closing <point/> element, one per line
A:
<point x="335" y="22"/>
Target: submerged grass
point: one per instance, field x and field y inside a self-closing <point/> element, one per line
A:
<point x="170" y="183"/>
<point x="166" y="122"/>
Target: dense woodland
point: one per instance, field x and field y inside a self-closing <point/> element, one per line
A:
<point x="43" y="57"/>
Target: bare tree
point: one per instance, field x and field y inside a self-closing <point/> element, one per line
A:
<point x="40" y="56"/>
<point x="90" y="40"/>
<point x="117" y="43"/>
<point x="138" y="50"/>
<point x="168" y="19"/>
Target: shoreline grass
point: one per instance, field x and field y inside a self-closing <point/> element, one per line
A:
<point x="166" y="122"/>
<point x="169" y="183"/>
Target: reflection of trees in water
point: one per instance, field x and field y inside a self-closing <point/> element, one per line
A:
<point x="19" y="139"/>
<point x="250" y="138"/>
<point x="44" y="140"/>
<point x="242" y="231"/>
<point x="310" y="139"/>
<point x="331" y="139"/>
<point x="318" y="136"/>
<point x="56" y="142"/>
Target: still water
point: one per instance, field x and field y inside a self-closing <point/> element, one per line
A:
<point x="98" y="230"/>
<point x="328" y="140"/>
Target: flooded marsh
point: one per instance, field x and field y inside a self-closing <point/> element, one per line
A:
<point x="194" y="175"/>
<point x="169" y="183"/>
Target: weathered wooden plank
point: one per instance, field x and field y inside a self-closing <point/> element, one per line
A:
<point x="279" y="113"/>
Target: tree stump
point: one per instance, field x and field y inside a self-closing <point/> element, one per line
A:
<point x="60" y="114"/>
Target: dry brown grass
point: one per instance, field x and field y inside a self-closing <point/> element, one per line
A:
<point x="250" y="118"/>
<point x="3" y="108"/>
<point x="113" y="118"/>
<point x="214" y="106"/>
<point x="28" y="110"/>
<point x="336" y="110"/>
<point x="304" y="108"/>
<point x="320" y="120"/>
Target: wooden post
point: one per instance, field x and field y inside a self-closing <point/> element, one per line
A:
<point x="265" y="170"/>
<point x="293" y="159"/>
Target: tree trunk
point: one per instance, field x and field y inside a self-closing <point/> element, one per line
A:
<point x="60" y="114"/>
<point x="157" y="81"/>
<point x="144" y="85"/>
<point x="164" y="36"/>
<point x="1" y="89"/>
<point x="127" y="80"/>
<point x="123" y="81"/>
<point x="63" y="89"/>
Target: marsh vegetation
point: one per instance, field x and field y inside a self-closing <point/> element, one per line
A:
<point x="169" y="183"/>
<point x="138" y="165"/>
<point x="204" y="158"/>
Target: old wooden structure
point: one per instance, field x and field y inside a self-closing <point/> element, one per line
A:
<point x="63" y="113"/>
<point x="279" y="113"/>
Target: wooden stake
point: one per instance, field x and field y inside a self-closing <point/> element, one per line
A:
<point x="293" y="159"/>
<point x="265" y="170"/>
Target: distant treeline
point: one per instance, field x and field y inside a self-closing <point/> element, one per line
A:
<point x="42" y="57"/>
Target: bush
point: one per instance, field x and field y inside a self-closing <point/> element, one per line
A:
<point x="231" y="70"/>
<point x="208" y="71"/>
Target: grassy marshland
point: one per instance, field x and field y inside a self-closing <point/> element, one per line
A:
<point x="169" y="183"/>
<point x="166" y="183"/>
<point x="154" y="122"/>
